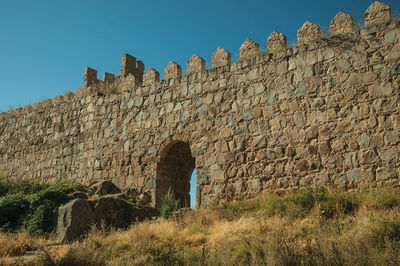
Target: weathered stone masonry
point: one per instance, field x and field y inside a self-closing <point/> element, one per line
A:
<point x="325" y="112"/>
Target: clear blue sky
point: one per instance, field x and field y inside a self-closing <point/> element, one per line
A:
<point x="45" y="45"/>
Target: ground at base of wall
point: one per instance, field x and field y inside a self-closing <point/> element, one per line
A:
<point x="317" y="227"/>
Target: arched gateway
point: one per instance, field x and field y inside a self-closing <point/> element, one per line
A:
<point x="174" y="170"/>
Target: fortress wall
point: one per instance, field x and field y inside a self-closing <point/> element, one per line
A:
<point x="326" y="112"/>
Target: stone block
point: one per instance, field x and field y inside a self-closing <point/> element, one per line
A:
<point x="394" y="52"/>
<point x="302" y="165"/>
<point x="324" y="147"/>
<point x="391" y="37"/>
<point x="58" y="99"/>
<point x="377" y="13"/>
<point x="389" y="155"/>
<point x="340" y="180"/>
<point x="363" y="140"/>
<point x="395" y="70"/>
<point x="369" y="157"/>
<point x="254" y="184"/>
<point x="354" y="176"/>
<point x="381" y="90"/>
<point x="383" y="174"/>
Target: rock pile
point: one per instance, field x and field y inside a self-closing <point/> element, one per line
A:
<point x="109" y="207"/>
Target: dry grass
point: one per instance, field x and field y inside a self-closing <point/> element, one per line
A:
<point x="351" y="228"/>
<point x="19" y="244"/>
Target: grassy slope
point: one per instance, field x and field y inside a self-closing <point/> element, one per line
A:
<point x="308" y="228"/>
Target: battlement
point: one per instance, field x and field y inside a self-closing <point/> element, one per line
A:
<point x="323" y="112"/>
<point x="378" y="18"/>
<point x="309" y="36"/>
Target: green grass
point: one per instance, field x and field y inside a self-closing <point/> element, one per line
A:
<point x="311" y="202"/>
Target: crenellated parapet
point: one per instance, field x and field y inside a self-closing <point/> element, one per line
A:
<point x="108" y="78"/>
<point x="377" y="14"/>
<point x="221" y="57"/>
<point x="341" y="25"/>
<point x="132" y="70"/>
<point x="172" y="71"/>
<point x="249" y="49"/>
<point x="90" y="77"/>
<point x="309" y="33"/>
<point x="129" y="65"/>
<point x="151" y="76"/>
<point x="276" y="42"/>
<point x="195" y="64"/>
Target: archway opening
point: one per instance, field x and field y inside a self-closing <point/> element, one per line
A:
<point x="174" y="171"/>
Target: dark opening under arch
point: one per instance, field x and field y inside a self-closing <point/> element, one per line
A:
<point x="174" y="170"/>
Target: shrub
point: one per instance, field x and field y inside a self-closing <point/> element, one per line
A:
<point x="169" y="204"/>
<point x="12" y="210"/>
<point x="12" y="186"/>
<point x="3" y="186"/>
<point x="31" y="206"/>
<point x="43" y="210"/>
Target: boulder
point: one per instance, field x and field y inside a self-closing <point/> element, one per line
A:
<point x="74" y="219"/>
<point x="105" y="187"/>
<point x="113" y="211"/>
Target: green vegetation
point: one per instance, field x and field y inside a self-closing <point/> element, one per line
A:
<point x="169" y="204"/>
<point x="29" y="206"/>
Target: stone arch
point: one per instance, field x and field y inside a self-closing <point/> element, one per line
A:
<point x="174" y="169"/>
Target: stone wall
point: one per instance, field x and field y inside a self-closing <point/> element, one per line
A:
<point x="326" y="112"/>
